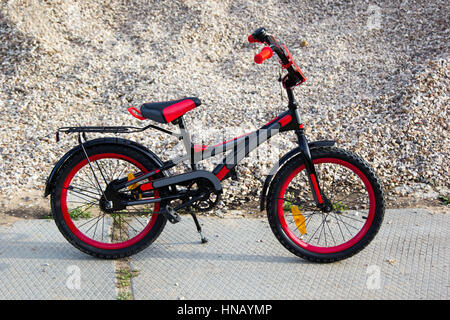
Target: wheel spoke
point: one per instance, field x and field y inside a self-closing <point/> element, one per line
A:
<point x="339" y="226"/>
<point x="331" y="232"/>
<point x="344" y="215"/>
<point x="80" y="190"/>
<point x="77" y="193"/>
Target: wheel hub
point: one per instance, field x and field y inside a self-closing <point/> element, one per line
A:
<point x="327" y="206"/>
<point x="112" y="200"/>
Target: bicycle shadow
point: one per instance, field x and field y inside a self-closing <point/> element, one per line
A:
<point x="36" y="240"/>
<point x="13" y="250"/>
<point x="37" y="250"/>
<point x="194" y="251"/>
<point x="30" y="241"/>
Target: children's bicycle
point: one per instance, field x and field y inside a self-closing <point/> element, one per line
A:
<point x="112" y="197"/>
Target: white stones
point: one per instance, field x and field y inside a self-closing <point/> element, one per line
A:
<point x="377" y="93"/>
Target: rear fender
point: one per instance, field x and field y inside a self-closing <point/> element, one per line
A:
<point x="284" y="159"/>
<point x="51" y="180"/>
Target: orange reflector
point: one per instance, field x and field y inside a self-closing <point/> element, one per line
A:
<point x="134" y="186"/>
<point x="299" y="219"/>
<point x="131" y="177"/>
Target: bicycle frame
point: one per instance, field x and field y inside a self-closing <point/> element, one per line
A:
<point x="240" y="148"/>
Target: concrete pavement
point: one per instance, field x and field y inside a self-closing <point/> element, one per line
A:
<point x="409" y="259"/>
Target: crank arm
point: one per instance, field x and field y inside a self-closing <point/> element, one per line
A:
<point x="189" y="203"/>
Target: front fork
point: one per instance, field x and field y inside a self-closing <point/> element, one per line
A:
<point x="321" y="201"/>
<point x="309" y="165"/>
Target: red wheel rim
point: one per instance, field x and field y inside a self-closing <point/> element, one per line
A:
<point x="80" y="235"/>
<point x="344" y="245"/>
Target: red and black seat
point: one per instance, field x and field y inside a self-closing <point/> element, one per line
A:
<point x="167" y="111"/>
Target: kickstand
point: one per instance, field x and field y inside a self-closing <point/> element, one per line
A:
<point x="197" y="224"/>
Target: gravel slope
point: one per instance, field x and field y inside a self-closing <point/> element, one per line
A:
<point x="378" y="79"/>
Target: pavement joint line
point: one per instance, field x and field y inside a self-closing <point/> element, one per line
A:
<point x="124" y="274"/>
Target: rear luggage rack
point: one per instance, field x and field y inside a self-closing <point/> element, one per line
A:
<point x="115" y="129"/>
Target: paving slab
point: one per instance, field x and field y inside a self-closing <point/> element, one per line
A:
<point x="37" y="262"/>
<point x="409" y="259"/>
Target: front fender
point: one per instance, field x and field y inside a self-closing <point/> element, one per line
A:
<point x="50" y="183"/>
<point x="285" y="158"/>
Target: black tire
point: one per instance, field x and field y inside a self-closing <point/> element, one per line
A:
<point x="65" y="193"/>
<point x="359" y="192"/>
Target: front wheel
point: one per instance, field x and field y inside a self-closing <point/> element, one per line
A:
<point x="353" y="193"/>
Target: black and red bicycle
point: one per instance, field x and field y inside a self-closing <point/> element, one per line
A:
<point x="112" y="197"/>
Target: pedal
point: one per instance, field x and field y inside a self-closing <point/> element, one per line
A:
<point x="170" y="214"/>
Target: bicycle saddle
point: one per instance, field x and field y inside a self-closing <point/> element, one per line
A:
<point x="167" y="111"/>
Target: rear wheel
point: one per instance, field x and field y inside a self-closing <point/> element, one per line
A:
<point x="356" y="206"/>
<point x="81" y="204"/>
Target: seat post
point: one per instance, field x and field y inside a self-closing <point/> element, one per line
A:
<point x="189" y="147"/>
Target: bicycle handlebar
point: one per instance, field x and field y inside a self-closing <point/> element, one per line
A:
<point x="294" y="76"/>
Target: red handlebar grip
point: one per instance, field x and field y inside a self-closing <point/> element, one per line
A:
<point x="265" y="54"/>
<point x="251" y="39"/>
